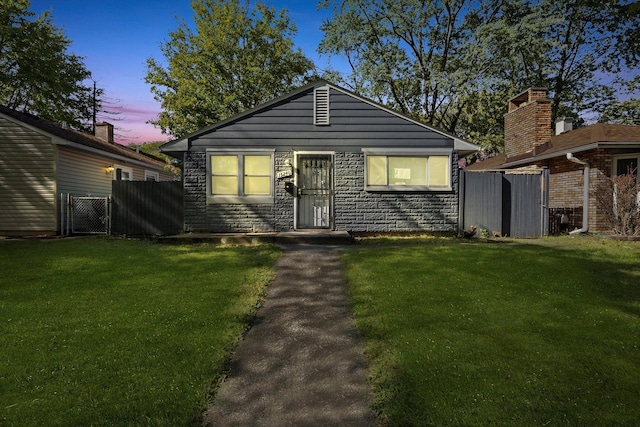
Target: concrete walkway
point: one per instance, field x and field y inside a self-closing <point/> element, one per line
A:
<point x="300" y="364"/>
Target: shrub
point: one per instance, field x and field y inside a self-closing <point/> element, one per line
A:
<point x="617" y="198"/>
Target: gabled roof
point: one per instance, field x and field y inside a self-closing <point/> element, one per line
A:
<point x="586" y="138"/>
<point x="182" y="144"/>
<point x="66" y="136"/>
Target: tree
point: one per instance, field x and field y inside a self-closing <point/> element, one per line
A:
<point x="236" y="59"/>
<point x="573" y="52"/>
<point x="626" y="111"/>
<point x="422" y="58"/>
<point x="37" y="73"/>
<point x="617" y="199"/>
<point x="440" y="60"/>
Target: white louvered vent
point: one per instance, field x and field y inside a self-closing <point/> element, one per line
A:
<point x="321" y="106"/>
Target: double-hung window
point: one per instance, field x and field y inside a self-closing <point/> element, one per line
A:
<point x="240" y="177"/>
<point x="407" y="170"/>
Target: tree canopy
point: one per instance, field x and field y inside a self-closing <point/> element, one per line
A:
<point x="37" y="73"/>
<point x="234" y="59"/>
<point x="454" y="63"/>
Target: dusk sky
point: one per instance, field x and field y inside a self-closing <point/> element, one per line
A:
<point x="116" y="37"/>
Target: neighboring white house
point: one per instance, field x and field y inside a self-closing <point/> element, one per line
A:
<point x="40" y="160"/>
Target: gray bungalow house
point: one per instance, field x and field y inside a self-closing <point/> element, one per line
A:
<point x="40" y="161"/>
<point x="319" y="158"/>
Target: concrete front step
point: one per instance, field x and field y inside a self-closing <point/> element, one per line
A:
<point x="289" y="237"/>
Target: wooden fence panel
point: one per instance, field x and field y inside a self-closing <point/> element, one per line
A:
<point x="147" y="207"/>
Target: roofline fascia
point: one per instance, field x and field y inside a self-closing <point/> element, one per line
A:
<point x="56" y="140"/>
<point x="562" y="153"/>
<point x="550" y="155"/>
<point x="249" y="112"/>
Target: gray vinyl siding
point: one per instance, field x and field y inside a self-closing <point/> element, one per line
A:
<point x="27" y="180"/>
<point x="353" y="124"/>
<point x="83" y="174"/>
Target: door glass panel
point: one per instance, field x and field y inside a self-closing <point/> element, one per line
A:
<point x="314" y="191"/>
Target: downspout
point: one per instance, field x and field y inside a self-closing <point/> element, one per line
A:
<point x="585" y="202"/>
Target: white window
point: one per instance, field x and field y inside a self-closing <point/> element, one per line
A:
<point x="151" y="176"/>
<point x="122" y="173"/>
<point x="245" y="177"/>
<point x="408" y="172"/>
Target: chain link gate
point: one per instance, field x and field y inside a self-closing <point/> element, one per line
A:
<point x="87" y="215"/>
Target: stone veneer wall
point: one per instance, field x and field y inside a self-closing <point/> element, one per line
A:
<point x="359" y="211"/>
<point x="354" y="209"/>
<point x="232" y="218"/>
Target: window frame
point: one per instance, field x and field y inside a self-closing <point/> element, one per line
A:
<point x="616" y="158"/>
<point x="151" y="174"/>
<point x="240" y="197"/>
<point x="410" y="153"/>
<point x="126" y="169"/>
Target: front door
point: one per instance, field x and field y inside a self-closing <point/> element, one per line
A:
<point x="314" y="191"/>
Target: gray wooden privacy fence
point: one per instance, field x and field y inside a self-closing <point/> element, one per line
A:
<point x="146" y="207"/>
<point x="505" y="203"/>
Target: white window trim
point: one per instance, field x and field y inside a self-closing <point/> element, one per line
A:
<point x="240" y="199"/>
<point x="123" y="169"/>
<point x="153" y="174"/>
<point x="406" y="152"/>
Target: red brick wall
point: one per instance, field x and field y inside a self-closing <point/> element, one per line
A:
<point x="566" y="184"/>
<point x="528" y="123"/>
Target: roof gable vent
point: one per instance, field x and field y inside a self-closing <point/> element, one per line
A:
<point x="321" y="106"/>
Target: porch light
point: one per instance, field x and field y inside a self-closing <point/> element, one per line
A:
<point x="109" y="169"/>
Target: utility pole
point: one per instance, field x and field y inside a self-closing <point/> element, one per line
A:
<point x="95" y="107"/>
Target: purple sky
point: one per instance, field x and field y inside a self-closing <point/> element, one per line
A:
<point x="116" y="37"/>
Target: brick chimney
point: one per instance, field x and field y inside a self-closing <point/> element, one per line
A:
<point x="528" y="123"/>
<point x="104" y="131"/>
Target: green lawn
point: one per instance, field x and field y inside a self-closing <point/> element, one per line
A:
<point x="461" y="333"/>
<point x="102" y="331"/>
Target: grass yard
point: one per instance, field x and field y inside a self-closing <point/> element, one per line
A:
<point x="102" y="331"/>
<point x="461" y="333"/>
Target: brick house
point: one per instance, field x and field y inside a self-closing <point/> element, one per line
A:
<point x="321" y="158"/>
<point x="603" y="150"/>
